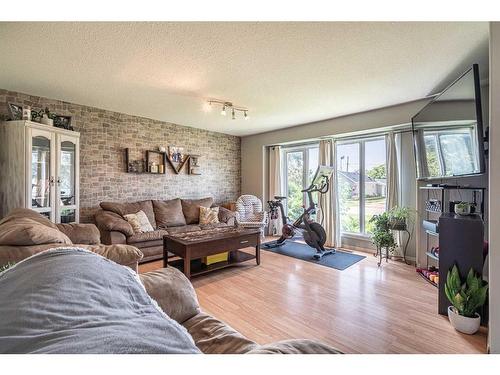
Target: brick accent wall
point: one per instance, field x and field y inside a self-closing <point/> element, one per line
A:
<point x="103" y="137"/>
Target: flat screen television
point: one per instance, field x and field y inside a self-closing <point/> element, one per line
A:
<point x="448" y="132"/>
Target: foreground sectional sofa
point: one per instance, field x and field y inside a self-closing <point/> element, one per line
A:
<point x="166" y="217"/>
<point x="70" y="300"/>
<point x="24" y="232"/>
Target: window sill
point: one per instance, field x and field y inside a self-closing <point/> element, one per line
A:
<point x="357" y="236"/>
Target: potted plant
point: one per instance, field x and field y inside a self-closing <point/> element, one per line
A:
<point x="47" y="118"/>
<point x="398" y="218"/>
<point x="382" y="235"/>
<point x="465" y="298"/>
<point x="463" y="208"/>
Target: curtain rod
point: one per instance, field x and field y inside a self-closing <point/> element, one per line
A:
<point x="406" y="128"/>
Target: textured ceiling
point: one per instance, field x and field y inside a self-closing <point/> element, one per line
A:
<point x="285" y="73"/>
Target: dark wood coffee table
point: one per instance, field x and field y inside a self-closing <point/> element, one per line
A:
<point x="196" y="245"/>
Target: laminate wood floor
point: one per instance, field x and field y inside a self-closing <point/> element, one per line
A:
<point x="363" y="309"/>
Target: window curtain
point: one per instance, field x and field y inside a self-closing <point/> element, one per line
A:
<point x="328" y="213"/>
<point x="275" y="226"/>
<point x="393" y="181"/>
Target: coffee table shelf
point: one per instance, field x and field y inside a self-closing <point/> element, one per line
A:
<point x="198" y="268"/>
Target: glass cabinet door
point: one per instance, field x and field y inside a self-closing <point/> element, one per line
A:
<point x="42" y="175"/>
<point x="67" y="180"/>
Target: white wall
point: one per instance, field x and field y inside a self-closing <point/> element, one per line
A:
<point x="494" y="190"/>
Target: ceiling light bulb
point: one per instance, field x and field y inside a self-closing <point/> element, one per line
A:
<point x="234" y="115"/>
<point x="246" y="115"/>
<point x="207" y="107"/>
<point x="223" y="112"/>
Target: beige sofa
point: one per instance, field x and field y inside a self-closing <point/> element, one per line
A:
<point x="24" y="232"/>
<point x="176" y="296"/>
<point x="167" y="216"/>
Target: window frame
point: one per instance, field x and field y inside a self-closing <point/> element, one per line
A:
<point x="362" y="234"/>
<point x="304" y="149"/>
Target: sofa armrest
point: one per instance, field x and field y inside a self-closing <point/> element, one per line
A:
<point x="300" y="346"/>
<point x="212" y="336"/>
<point x="173" y="292"/>
<point x="112" y="237"/>
<point x="109" y="221"/>
<point x="126" y="255"/>
<point x="85" y="234"/>
<point x="227" y="216"/>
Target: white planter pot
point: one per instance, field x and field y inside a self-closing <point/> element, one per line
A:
<point x="462" y="323"/>
<point x="46" y="121"/>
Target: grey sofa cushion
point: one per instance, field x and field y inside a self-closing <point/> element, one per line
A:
<point x="168" y="213"/>
<point x="191" y="208"/>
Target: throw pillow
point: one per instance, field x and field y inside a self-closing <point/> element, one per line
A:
<point x="139" y="222"/>
<point x="209" y="215"/>
<point x="191" y="208"/>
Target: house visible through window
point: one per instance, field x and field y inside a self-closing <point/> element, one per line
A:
<point x="361" y="179"/>
<point x="300" y="163"/>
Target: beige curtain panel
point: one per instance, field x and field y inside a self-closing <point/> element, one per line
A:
<point x="393" y="180"/>
<point x="327" y="215"/>
<point x="275" y="226"/>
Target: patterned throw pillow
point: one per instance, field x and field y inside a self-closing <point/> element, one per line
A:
<point x="209" y="215"/>
<point x="139" y="222"/>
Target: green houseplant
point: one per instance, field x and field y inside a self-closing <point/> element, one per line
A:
<point x="465" y="298"/>
<point x="398" y="217"/>
<point x="382" y="236"/>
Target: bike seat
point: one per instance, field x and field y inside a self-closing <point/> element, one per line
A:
<point x="278" y="197"/>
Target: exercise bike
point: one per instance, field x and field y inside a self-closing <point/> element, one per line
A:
<point x="314" y="234"/>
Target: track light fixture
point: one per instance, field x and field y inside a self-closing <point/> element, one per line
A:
<point x="228" y="105"/>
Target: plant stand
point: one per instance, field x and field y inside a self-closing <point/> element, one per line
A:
<point x="379" y="252"/>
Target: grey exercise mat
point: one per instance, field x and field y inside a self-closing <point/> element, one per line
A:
<point x="340" y="260"/>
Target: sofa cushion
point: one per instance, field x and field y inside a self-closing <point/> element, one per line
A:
<point x="212" y="336"/>
<point x="184" y="229"/>
<point x="21" y="213"/>
<point x="169" y="213"/>
<point x="173" y="292"/>
<point x="209" y="215"/>
<point x="191" y="208"/>
<point x="214" y="226"/>
<point x="139" y="222"/>
<point x="111" y="221"/>
<point x="87" y="234"/>
<point x="123" y="209"/>
<point x="18" y="231"/>
<point x="297" y="346"/>
<point x="147" y="236"/>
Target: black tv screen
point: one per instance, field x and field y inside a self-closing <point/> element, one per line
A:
<point x="448" y="131"/>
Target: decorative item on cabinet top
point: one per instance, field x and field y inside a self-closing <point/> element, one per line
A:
<point x="42" y="116"/>
<point x="156" y="161"/>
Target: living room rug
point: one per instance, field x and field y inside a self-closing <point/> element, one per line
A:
<point x="340" y="260"/>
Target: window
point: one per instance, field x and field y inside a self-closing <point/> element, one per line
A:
<point x="300" y="163"/>
<point x="450" y="152"/>
<point x="361" y="179"/>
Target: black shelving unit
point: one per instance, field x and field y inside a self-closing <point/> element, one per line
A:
<point x="460" y="238"/>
